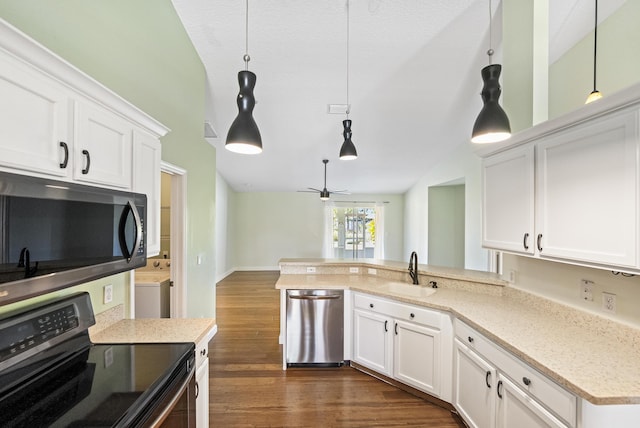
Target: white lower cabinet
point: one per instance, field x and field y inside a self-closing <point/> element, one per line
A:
<point x="493" y="389"/>
<point x="474" y="393"/>
<point x="400" y="341"/>
<point x="202" y="382"/>
<point x="371" y="341"/>
<point x="516" y="408"/>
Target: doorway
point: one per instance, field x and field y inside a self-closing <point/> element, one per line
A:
<point x="173" y="233"/>
<point x="446" y="224"/>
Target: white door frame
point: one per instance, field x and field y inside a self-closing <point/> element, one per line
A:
<point x="178" y="244"/>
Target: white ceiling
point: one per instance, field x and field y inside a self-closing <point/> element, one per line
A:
<point x="414" y="83"/>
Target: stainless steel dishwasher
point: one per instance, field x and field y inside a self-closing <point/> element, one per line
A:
<point x="315" y="327"/>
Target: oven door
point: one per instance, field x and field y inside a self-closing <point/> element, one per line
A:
<point x="177" y="406"/>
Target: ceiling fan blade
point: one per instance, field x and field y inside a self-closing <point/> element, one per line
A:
<point x="314" y="189"/>
<point x="340" y="192"/>
<point x="308" y="191"/>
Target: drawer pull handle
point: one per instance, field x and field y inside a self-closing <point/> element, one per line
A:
<point x="412" y="315"/>
<point x="385" y="326"/>
<point x="526" y="381"/>
<point x="197" y="389"/>
<point x="371" y="305"/>
<point x="487" y="377"/>
<point x="396" y="328"/>
<point x="203" y="352"/>
<point x="499" y="388"/>
<point x="524" y="241"/>
<point x="470" y="339"/>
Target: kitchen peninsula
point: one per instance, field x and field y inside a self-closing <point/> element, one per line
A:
<point x="587" y="365"/>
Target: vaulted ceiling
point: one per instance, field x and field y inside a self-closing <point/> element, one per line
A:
<point x="413" y="76"/>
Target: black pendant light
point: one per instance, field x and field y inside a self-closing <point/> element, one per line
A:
<point x="595" y="94"/>
<point x="348" y="149"/>
<point x="492" y="124"/>
<point x="244" y="135"/>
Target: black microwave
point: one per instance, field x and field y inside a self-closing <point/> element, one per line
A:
<point x="56" y="234"/>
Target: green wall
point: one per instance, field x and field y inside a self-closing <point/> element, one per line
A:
<point x="618" y="66"/>
<point x="140" y="50"/>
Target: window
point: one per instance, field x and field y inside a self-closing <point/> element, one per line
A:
<point x="354" y="232"/>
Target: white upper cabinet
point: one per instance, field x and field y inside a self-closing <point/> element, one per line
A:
<point x="103" y="149"/>
<point x="585" y="207"/>
<point x="587" y="200"/>
<point x="146" y="179"/>
<point x="508" y="201"/>
<point x="34" y="121"/>
<point x="57" y="122"/>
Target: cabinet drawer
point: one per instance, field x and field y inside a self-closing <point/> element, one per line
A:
<point x="547" y="392"/>
<point x="401" y="311"/>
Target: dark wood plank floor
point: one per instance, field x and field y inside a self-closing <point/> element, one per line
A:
<point x="248" y="387"/>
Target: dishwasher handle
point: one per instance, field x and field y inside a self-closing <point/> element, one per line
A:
<point x="313" y="297"/>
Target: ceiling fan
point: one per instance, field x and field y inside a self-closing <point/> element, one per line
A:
<point x="324" y="193"/>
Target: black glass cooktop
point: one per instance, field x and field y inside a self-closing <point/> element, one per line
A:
<point x="99" y="386"/>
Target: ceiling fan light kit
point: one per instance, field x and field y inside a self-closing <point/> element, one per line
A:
<point x="244" y="135"/>
<point x="325" y="193"/>
<point x="492" y="124"/>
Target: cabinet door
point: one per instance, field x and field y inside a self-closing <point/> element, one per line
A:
<point x="517" y="409"/>
<point x="34" y="121"/>
<point x="372" y="341"/>
<point x="103" y="149"/>
<point x="508" y="201"/>
<point x="474" y="387"/>
<point x="416" y="356"/>
<point x="146" y="179"/>
<point x="588" y="192"/>
<point x="202" y="397"/>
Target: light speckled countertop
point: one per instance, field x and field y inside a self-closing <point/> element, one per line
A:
<point x="157" y="330"/>
<point x="593" y="357"/>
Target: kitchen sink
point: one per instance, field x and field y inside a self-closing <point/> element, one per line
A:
<point x="410" y="289"/>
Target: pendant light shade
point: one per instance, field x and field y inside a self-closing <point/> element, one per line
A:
<point x="348" y="149"/>
<point x="595" y="94"/>
<point x="244" y="135"/>
<point x="492" y="124"/>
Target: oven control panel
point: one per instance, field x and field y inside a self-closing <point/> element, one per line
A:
<point x="31" y="333"/>
<point x="44" y="326"/>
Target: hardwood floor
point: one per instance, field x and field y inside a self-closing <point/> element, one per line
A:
<point x="248" y="387"/>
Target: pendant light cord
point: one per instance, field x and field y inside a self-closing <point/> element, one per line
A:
<point x="595" y="46"/>
<point x="490" y="51"/>
<point x="246" y="57"/>
<point x="348" y="105"/>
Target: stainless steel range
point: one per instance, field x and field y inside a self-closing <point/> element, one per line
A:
<point x="52" y="375"/>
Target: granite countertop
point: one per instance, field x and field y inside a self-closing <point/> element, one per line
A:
<point x="157" y="330"/>
<point x="593" y="357"/>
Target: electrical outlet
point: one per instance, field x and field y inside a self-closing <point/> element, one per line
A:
<point x="586" y="290"/>
<point x="512" y="276"/>
<point x="354" y="270"/>
<point x="107" y="294"/>
<point x="372" y="271"/>
<point x="108" y="357"/>
<point x="609" y="302"/>
<point x="311" y="269"/>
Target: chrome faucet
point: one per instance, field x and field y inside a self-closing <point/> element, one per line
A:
<point x="413" y="267"/>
